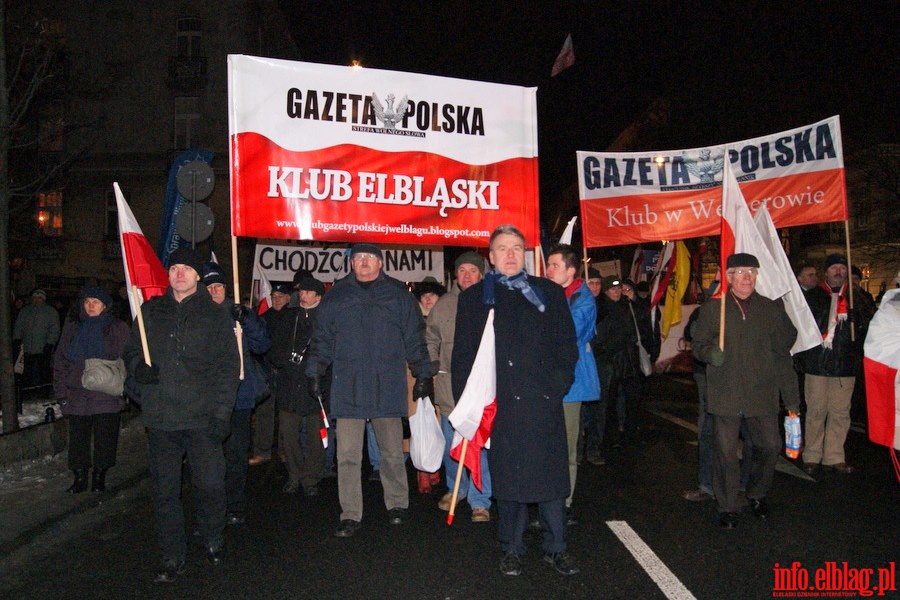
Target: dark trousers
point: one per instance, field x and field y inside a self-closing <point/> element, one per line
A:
<point x="237" y="450"/>
<point x="299" y="437"/>
<point x="166" y="449"/>
<point x="764" y="435"/>
<point x="104" y="429"/>
<point x="514" y="519"/>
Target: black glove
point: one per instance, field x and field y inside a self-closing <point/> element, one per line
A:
<point x="424" y="387"/>
<point x="239" y="312"/>
<point x="716" y="357"/>
<point x="315" y="387"/>
<point x="146" y="374"/>
<point x="219" y="430"/>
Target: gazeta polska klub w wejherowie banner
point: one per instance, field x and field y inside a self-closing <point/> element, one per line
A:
<point x="627" y="198"/>
<point x="332" y="153"/>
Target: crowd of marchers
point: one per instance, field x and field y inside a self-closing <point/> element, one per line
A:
<point x="319" y="376"/>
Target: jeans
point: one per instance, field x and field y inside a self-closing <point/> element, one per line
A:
<point x="236" y="449"/>
<point x="477" y="498"/>
<point x="166" y="449"/>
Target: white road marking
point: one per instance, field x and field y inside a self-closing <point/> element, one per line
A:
<point x="654" y="567"/>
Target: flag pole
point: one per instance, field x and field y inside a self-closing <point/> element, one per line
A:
<point x="462" y="465"/>
<point x="238" y="330"/>
<point x="724" y="286"/>
<point x="849" y="280"/>
<point x="136" y="292"/>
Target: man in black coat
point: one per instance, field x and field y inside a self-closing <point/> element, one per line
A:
<point x="536" y="353"/>
<point x="187" y="394"/>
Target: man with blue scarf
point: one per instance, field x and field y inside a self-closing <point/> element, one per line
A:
<point x="536" y="353"/>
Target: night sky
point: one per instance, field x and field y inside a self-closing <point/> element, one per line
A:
<point x="729" y="71"/>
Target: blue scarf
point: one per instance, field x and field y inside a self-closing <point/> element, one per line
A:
<point x="516" y="282"/>
<point x="88" y="340"/>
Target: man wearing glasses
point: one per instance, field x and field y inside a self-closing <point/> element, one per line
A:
<point x="369" y="328"/>
<point x="744" y="382"/>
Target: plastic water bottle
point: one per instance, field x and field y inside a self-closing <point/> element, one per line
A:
<point x="793" y="437"/>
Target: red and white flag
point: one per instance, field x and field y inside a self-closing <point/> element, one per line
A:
<point x="663" y="274"/>
<point x="473" y="417"/>
<point x="566" y="237"/>
<point x="263" y="288"/>
<point x="565" y="59"/>
<point x="636" y="264"/>
<point x="740" y="234"/>
<point x="142" y="267"/>
<point x="881" y="364"/>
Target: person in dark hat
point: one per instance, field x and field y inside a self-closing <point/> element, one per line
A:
<point x="187" y="394"/>
<point x="830" y="370"/>
<point x="427" y="292"/>
<point x="745" y="380"/>
<point x="93" y="416"/>
<point x="368" y="328"/>
<point x="594" y="282"/>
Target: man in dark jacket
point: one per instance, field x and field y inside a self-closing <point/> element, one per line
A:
<point x="744" y="380"/>
<point x="368" y="329"/>
<point x="830" y="370"/>
<point x="536" y="353"/>
<point x="187" y="394"/>
<point x="255" y="342"/>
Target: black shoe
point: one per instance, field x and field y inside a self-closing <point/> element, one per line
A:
<point x="728" y="520"/>
<point x="235" y="518"/>
<point x="347" y="528"/>
<point x="760" y="507"/>
<point x="170" y="572"/>
<point x="98" y="481"/>
<point x="215" y="555"/>
<point x="562" y="563"/>
<point x="570" y="517"/>
<point x="81" y="481"/>
<point x="397" y="516"/>
<point x="511" y="564"/>
<point x="810" y="468"/>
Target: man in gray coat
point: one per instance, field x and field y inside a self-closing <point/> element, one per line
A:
<point x="369" y="328"/>
<point x="744" y="381"/>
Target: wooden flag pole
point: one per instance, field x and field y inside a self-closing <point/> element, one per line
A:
<point x="459" y="471"/>
<point x="238" y="330"/>
<point x="136" y="292"/>
<point x="724" y="286"/>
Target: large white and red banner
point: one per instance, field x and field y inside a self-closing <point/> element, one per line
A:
<point x="628" y="198"/>
<point x="331" y="153"/>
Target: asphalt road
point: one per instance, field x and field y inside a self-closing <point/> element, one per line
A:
<point x="287" y="548"/>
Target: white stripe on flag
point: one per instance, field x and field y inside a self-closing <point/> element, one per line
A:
<point x="655" y="568"/>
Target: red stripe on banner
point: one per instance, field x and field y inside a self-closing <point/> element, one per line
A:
<point x="793" y="200"/>
<point x="352" y="193"/>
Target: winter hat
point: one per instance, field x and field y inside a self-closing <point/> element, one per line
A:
<point x="367" y="249"/>
<point x="628" y="282"/>
<point x="39" y="292"/>
<point x="90" y="291"/>
<point x="300" y="275"/>
<point x="741" y="259"/>
<point x="429" y="285"/>
<point x="835" y="259"/>
<point x="213" y="273"/>
<point x="281" y="287"/>
<point x="187" y="256"/>
<point x="593" y="274"/>
<point x="310" y="284"/>
<point x="469" y="258"/>
<point x="611" y="281"/>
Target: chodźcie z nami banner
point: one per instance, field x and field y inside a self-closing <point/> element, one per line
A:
<point x="627" y="198"/>
<point x="331" y="153"/>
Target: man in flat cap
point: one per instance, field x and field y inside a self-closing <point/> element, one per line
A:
<point x="368" y="328"/>
<point x="187" y="393"/>
<point x="744" y="380"/>
<point x="830" y="369"/>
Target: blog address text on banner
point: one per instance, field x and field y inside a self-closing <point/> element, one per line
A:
<point x="331" y="153"/>
<point x="629" y="198"/>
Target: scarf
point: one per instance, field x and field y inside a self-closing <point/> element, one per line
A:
<point x="837" y="312"/>
<point x="573" y="287"/>
<point x="88" y="339"/>
<point x="516" y="282"/>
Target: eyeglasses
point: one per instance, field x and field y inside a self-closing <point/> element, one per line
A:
<point x="744" y="271"/>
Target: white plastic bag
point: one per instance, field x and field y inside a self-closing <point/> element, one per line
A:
<point x="426" y="444"/>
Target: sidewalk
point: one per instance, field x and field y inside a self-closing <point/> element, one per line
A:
<point x="33" y="497"/>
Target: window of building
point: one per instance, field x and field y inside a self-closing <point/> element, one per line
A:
<point x="111" y="244"/>
<point x="187" y="122"/>
<point x="188" y="36"/>
<point x="49" y="214"/>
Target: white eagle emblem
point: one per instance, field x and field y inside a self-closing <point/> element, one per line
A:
<point x="389" y="116"/>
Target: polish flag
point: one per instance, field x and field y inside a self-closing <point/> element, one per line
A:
<point x="566" y="237"/>
<point x="565" y="59"/>
<point x="263" y="289"/>
<point x="473" y="417"/>
<point x="142" y="266"/>
<point x="663" y="274"/>
<point x="636" y="263"/>
<point x="881" y="364"/>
